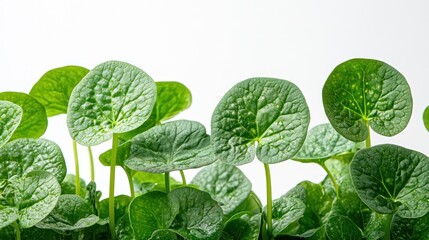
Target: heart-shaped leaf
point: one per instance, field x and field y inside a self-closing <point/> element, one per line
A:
<point x="267" y="111"/>
<point x="10" y="117"/>
<point x="225" y="183"/>
<point x="8" y="215"/>
<point x="175" y="145"/>
<point x="392" y="179"/>
<point x="286" y="211"/>
<point x="426" y="118"/>
<point x="54" y="88"/>
<point x="366" y="91"/>
<point x="341" y="227"/>
<point x="22" y="156"/>
<point x="34" y="120"/>
<point x="114" y="97"/>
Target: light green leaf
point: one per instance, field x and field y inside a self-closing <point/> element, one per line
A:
<point x="341" y="227"/>
<point x="163" y="234"/>
<point x="226" y="184"/>
<point x="34" y="120"/>
<point x="121" y="207"/>
<point x="68" y="185"/>
<point x="114" y="97"/>
<point x="35" y="195"/>
<point x="70" y="214"/>
<point x="54" y="88"/>
<point x="410" y="228"/>
<point x="252" y="205"/>
<point x="366" y="90"/>
<point x="267" y="111"/>
<point x="21" y="156"/>
<point x="392" y="179"/>
<point x="8" y="215"/>
<point x="123" y="228"/>
<point x="426" y="118"/>
<point x="286" y="211"/>
<point x="10" y="117"/>
<point x="376" y="226"/>
<point x="175" y="145"/>
<point x="247" y="227"/>
<point x="123" y="152"/>
<point x="145" y="182"/>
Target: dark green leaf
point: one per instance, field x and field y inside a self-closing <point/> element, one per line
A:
<point x="270" y="112"/>
<point x="114" y="97"/>
<point x="45" y="234"/>
<point x="246" y="227"/>
<point x="176" y="145"/>
<point x="226" y="184"/>
<point x="378" y="223"/>
<point x="10" y="117"/>
<point x="341" y="227"/>
<point x="163" y="234"/>
<point x="366" y="90"/>
<point x="145" y="182"/>
<point x="68" y="185"/>
<point x="7" y="233"/>
<point x="121" y="207"/>
<point x="426" y="118"/>
<point x="8" y="215"/>
<point x="21" y="156"/>
<point x="410" y="228"/>
<point x="392" y="179"/>
<point x="252" y="205"/>
<point x="123" y="228"/>
<point x="286" y="211"/>
<point x="34" y="120"/>
<point x="54" y="88"/>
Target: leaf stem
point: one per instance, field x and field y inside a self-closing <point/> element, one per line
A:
<point x="331" y="177"/>
<point x="91" y="164"/>
<point x="269" y="201"/>
<point x="17" y="231"/>
<point x="167" y="182"/>
<point x="112" y="186"/>
<point x="387" y="224"/>
<point x="182" y="174"/>
<point x="130" y="182"/>
<point x="76" y="166"/>
<point x="368" y="139"/>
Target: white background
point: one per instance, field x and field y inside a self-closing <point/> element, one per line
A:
<point x="212" y="45"/>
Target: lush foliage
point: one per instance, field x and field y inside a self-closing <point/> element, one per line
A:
<point x="370" y="192"/>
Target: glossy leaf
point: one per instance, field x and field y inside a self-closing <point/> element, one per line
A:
<point x="366" y="90"/>
<point x="341" y="227"/>
<point x="70" y="214"/>
<point x="146" y="182"/>
<point x="247" y="227"/>
<point x="34" y="120"/>
<point x="175" y="145"/>
<point x="54" y="88"/>
<point x="410" y="228"/>
<point x="226" y="184"/>
<point x="426" y="118"/>
<point x="123" y="228"/>
<point x="392" y="179"/>
<point x="114" y="97"/>
<point x="163" y="234"/>
<point x="252" y="205"/>
<point x="123" y="152"/>
<point x="376" y="226"/>
<point x="270" y="112"/>
<point x="8" y="215"/>
<point x="10" y="117"/>
<point x="121" y="207"/>
<point x="68" y="185"/>
<point x="285" y="212"/>
<point x="22" y="156"/>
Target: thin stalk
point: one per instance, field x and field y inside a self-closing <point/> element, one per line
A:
<point x="76" y="166"/>
<point x="368" y="139"/>
<point x="182" y="174"/>
<point x="130" y="182"/>
<point x="167" y="182"/>
<point x="387" y="225"/>
<point x="269" y="201"/>
<point x="91" y="163"/>
<point x="17" y="231"/>
<point x="112" y="186"/>
<point x="331" y="177"/>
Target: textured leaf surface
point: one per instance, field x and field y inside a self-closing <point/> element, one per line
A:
<point x="246" y="227"/>
<point x="252" y="205"/>
<point x="226" y="184"/>
<point x="114" y="97"/>
<point x="8" y="215"/>
<point x="322" y="143"/>
<point x="10" y="117"/>
<point x="123" y="152"/>
<point x="376" y="226"/>
<point x="145" y="182"/>
<point x="285" y="212"/>
<point x="120" y="207"/>
<point x="362" y="90"/>
<point x="163" y="234"/>
<point x="392" y="179"/>
<point x="34" y="120"/>
<point x="426" y="118"/>
<point x="340" y="227"/>
<point x="410" y="228"/>
<point x="68" y="185"/>
<point x="176" y="145"/>
<point x="271" y="112"/>
<point x="54" y="88"/>
<point x="21" y="156"/>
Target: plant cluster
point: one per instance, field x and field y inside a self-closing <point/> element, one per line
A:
<point x="370" y="192"/>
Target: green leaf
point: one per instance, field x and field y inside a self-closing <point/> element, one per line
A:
<point x="21" y="156"/>
<point x="392" y="179"/>
<point x="68" y="185"/>
<point x="163" y="234"/>
<point x="175" y="145"/>
<point x="171" y="99"/>
<point x="341" y="227"/>
<point x="10" y="117"/>
<point x="246" y="227"/>
<point x="45" y="234"/>
<point x="34" y="120"/>
<point x="123" y="228"/>
<point x="323" y="143"/>
<point x="252" y="205"/>
<point x="286" y="211"/>
<point x="366" y="90"/>
<point x="267" y="111"/>
<point x="377" y="225"/>
<point x="410" y="228"/>
<point x="226" y="184"/>
<point x="114" y="97"/>
<point x="54" y="88"/>
<point x="34" y="195"/>
<point x="70" y="214"/>
<point x="8" y="215"/>
<point x="123" y="152"/>
<point x="145" y="182"/>
<point x="121" y="207"/>
<point x="7" y="233"/>
<point x="426" y="118"/>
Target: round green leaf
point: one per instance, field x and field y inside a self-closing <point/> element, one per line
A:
<point x="34" y="120"/>
<point x="426" y="118"/>
<point x="271" y="112"/>
<point x="10" y="117"/>
<point x="366" y="90"/>
<point x="225" y="183"/>
<point x="392" y="179"/>
<point x="322" y="143"/>
<point x="175" y="145"/>
<point x="70" y="214"/>
<point x="8" y="215"/>
<point x="341" y="227"/>
<point x="286" y="210"/>
<point x="114" y="97"/>
<point x="54" y="88"/>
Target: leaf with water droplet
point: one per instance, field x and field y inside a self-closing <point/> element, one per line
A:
<point x="10" y="117"/>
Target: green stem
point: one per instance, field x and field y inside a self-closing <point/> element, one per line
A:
<point x="167" y="182"/>
<point x="91" y="163"/>
<point x="182" y="174"/>
<point x="269" y="201"/>
<point x="368" y="139"/>
<point x="17" y="231"/>
<point x="130" y="183"/>
<point x="112" y="186"/>
<point x="76" y="166"/>
<point x="387" y="225"/>
<point x="331" y="177"/>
